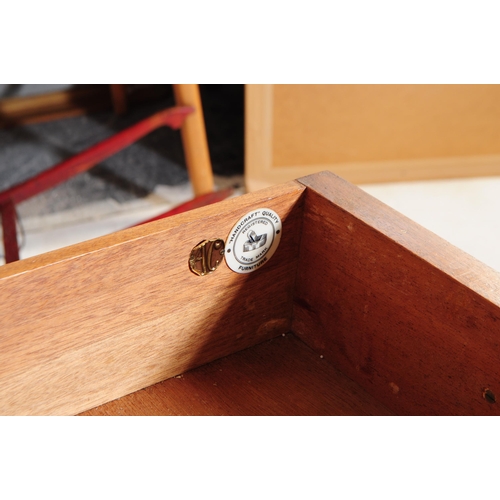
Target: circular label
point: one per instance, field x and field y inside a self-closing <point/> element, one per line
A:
<point x="253" y="240"/>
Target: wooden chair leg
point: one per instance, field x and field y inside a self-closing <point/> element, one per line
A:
<point x="194" y="139"/>
<point x="9" y="232"/>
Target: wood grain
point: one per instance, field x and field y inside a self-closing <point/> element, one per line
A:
<point x="281" y="376"/>
<point x="320" y="124"/>
<point x="95" y="321"/>
<point x="404" y="315"/>
<point x="412" y="319"/>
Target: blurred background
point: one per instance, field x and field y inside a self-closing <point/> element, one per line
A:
<point x="43" y="125"/>
<point x="430" y="151"/>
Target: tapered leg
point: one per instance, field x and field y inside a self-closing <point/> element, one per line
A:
<point x="9" y="232"/>
<point x="194" y="139"/>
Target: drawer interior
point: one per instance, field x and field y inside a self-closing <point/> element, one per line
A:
<point x="281" y="376"/>
<point x="384" y="317"/>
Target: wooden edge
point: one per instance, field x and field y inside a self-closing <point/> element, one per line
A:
<point x="142" y="231"/>
<point x="93" y="322"/>
<point x="411" y="318"/>
<point x="258" y="134"/>
<point x="379" y="172"/>
<point x="464" y="268"/>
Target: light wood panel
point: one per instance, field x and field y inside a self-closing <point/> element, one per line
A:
<point x="281" y="376"/>
<point x="412" y="319"/>
<point x="371" y="133"/>
<point x="95" y="321"/>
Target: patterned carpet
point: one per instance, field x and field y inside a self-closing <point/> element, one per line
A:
<point x="158" y="159"/>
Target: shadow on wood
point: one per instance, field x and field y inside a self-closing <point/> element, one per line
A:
<point x="409" y="323"/>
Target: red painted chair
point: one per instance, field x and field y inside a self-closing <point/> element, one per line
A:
<point x="172" y="117"/>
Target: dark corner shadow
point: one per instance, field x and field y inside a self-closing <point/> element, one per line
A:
<point x="223" y="109"/>
<point x="11" y="90"/>
<point x="259" y="309"/>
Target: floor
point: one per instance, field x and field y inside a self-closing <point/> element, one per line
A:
<point x="140" y="182"/>
<point x="150" y="177"/>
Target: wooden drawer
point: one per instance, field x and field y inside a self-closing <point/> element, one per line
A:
<point x="359" y="311"/>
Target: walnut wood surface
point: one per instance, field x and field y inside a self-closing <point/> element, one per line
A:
<point x="281" y="376"/>
<point x="412" y="319"/>
<point x="92" y="322"/>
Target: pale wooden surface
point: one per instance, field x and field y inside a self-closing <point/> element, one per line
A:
<point x="281" y="376"/>
<point x="92" y="322"/>
<point x="411" y="318"/>
<point x="194" y="139"/>
<point x="370" y="133"/>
